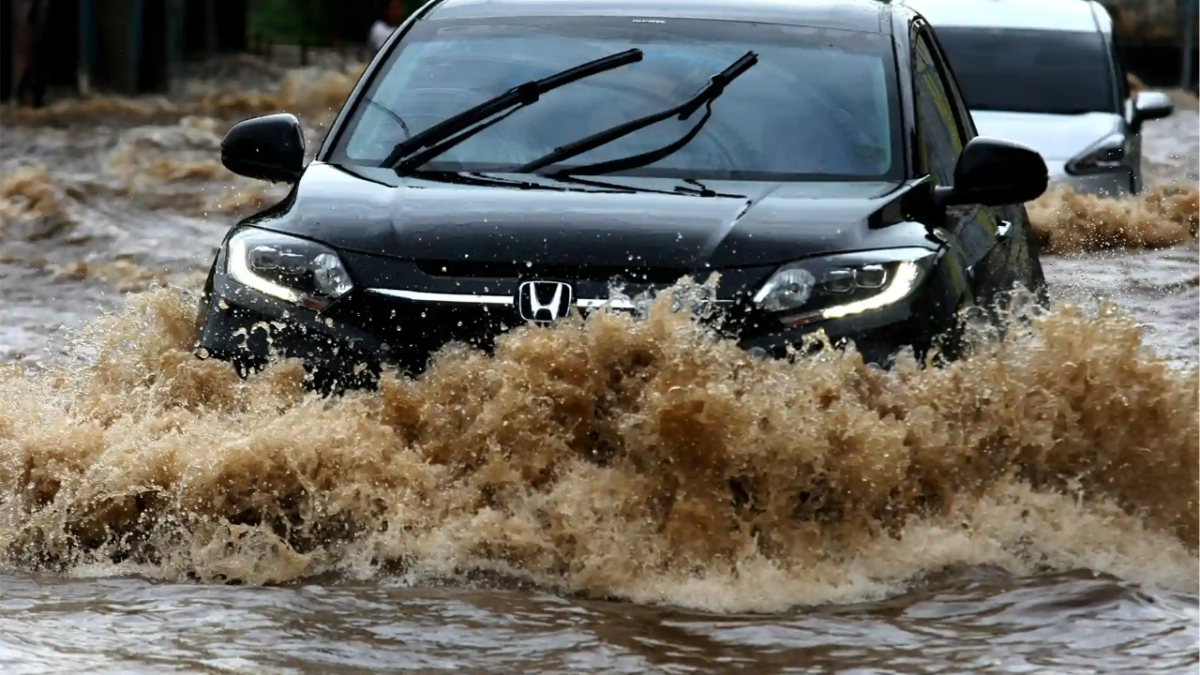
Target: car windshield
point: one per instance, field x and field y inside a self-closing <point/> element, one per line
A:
<point x="1035" y="71"/>
<point x="818" y="105"/>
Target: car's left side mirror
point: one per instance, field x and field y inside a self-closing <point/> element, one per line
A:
<point x="993" y="172"/>
<point x="1151" y="105"/>
<point x="270" y="147"/>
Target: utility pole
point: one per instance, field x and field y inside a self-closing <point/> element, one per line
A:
<point x="176" y="10"/>
<point x="1189" y="42"/>
<point x="87" y="46"/>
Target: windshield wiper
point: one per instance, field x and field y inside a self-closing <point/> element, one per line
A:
<point x="519" y="96"/>
<point x="391" y="113"/>
<point x="715" y="87"/>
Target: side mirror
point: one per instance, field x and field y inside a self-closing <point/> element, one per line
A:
<point x="1151" y="105"/>
<point x="993" y="172"/>
<point x="268" y="148"/>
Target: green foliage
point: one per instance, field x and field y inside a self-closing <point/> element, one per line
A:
<point x="278" y="20"/>
<point x="313" y="21"/>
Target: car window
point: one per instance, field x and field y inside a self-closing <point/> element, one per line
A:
<point x="1036" y="71"/>
<point x="1118" y="59"/>
<point x="940" y="139"/>
<point x="818" y="105"/>
<point x="962" y="112"/>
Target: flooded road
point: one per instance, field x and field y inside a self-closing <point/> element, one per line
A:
<point x="614" y="496"/>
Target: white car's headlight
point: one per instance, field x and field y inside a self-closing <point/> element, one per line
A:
<point x="301" y="272"/>
<point x="1107" y="154"/>
<point x="841" y="285"/>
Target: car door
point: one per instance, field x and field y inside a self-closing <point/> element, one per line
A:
<point x="1014" y="233"/>
<point x="943" y="127"/>
<point x="1127" y="98"/>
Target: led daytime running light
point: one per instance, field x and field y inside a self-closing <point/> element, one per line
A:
<point x="898" y="273"/>
<point x="323" y="264"/>
<point x="241" y="272"/>
<point x="905" y="280"/>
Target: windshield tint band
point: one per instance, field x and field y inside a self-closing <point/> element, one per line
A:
<point x="821" y="105"/>
<point x="1034" y="71"/>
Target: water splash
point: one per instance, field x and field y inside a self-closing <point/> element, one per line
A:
<point x="1067" y="221"/>
<point x="613" y="457"/>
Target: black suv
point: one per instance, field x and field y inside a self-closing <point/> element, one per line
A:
<point x="512" y="161"/>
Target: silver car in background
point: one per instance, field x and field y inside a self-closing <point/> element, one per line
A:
<point x="1050" y="74"/>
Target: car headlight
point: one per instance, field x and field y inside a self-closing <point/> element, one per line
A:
<point x="1105" y="155"/>
<point x="837" y="286"/>
<point x="301" y="272"/>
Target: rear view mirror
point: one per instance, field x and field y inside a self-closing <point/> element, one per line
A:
<point x="993" y="172"/>
<point x="268" y="148"/>
<point x="1151" y="105"/>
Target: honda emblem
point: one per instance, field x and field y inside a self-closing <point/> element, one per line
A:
<point x="544" y="301"/>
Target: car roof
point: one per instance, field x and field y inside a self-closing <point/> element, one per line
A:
<point x="1061" y="15"/>
<point x="866" y="16"/>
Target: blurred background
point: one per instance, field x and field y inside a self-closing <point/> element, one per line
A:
<point x="143" y="46"/>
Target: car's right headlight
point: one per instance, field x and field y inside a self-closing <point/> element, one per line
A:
<point x="1107" y="154"/>
<point x="296" y="270"/>
<point x="832" y="287"/>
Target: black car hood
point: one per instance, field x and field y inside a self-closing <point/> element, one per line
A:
<point x="603" y="221"/>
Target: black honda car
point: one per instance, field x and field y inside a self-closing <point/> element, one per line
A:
<point x="513" y="161"/>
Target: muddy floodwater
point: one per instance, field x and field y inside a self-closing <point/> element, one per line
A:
<point x="613" y="496"/>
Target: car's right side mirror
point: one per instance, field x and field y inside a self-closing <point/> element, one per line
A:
<point x="269" y="148"/>
<point x="994" y="172"/>
<point x="1151" y="105"/>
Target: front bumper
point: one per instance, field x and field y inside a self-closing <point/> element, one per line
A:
<point x="351" y="342"/>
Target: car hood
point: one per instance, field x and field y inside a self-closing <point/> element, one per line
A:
<point x="602" y="221"/>
<point x="1058" y="138"/>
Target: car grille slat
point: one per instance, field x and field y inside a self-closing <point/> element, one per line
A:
<point x="520" y="270"/>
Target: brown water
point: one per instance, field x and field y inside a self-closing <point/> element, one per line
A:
<point x="609" y="496"/>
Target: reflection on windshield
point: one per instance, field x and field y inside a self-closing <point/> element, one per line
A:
<point x="817" y="105"/>
<point x="1038" y="71"/>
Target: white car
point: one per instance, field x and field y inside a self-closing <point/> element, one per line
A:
<point x="1050" y="74"/>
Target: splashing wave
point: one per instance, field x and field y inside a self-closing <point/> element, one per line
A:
<point x="613" y="457"/>
<point x="1068" y="222"/>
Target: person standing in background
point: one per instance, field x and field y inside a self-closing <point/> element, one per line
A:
<point x="393" y="15"/>
<point x="28" y="22"/>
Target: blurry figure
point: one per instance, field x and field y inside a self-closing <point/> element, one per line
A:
<point x="393" y="15"/>
<point x="28" y="22"/>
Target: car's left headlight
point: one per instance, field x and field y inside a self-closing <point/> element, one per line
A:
<point x="299" y="271"/>
<point x="842" y="285"/>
